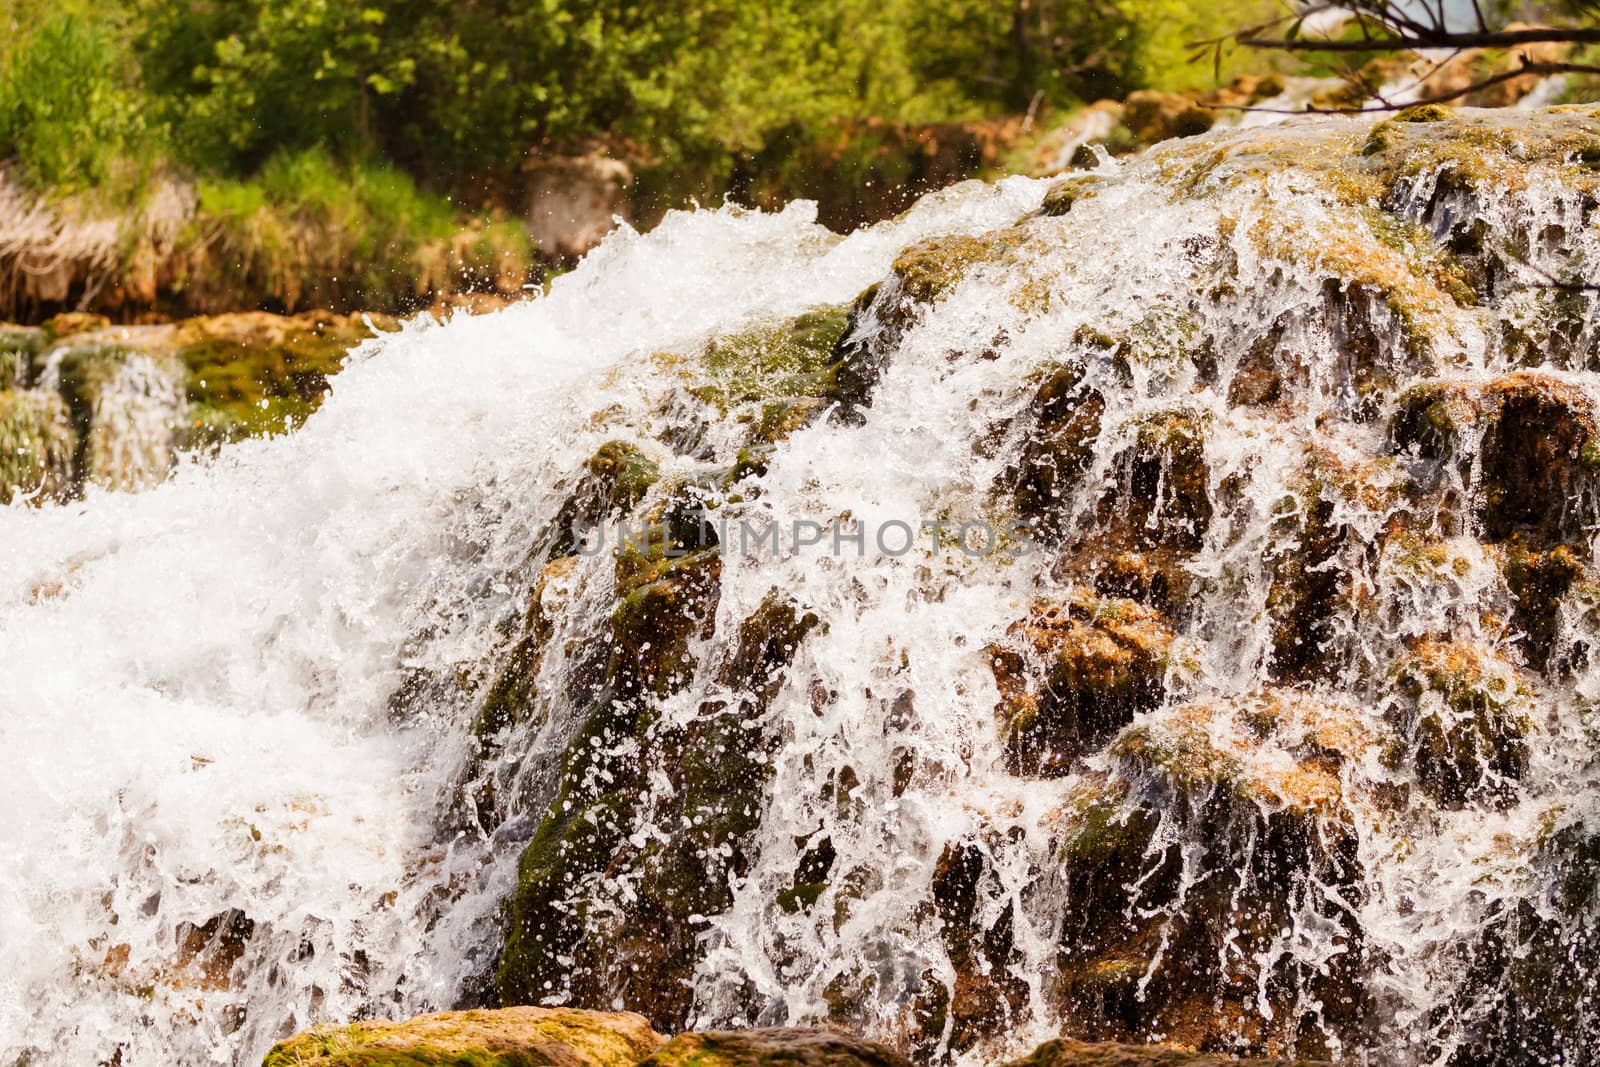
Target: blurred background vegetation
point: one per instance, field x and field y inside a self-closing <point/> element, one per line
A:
<point x="375" y="152"/>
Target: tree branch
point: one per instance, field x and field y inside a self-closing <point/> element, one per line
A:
<point x="1528" y="67"/>
<point x="1418" y="41"/>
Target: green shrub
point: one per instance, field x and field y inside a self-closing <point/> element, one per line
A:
<point x="68" y="111"/>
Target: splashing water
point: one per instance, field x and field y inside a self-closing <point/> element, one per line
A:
<point x="1277" y="741"/>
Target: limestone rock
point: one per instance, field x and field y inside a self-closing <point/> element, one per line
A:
<point x="772" y="1048"/>
<point x="508" y="1037"/>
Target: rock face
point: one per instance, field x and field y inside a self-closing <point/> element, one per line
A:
<point x="1309" y="509"/>
<point x="510" y="1037"/>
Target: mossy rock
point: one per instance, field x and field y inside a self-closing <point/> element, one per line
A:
<point x="72" y="323"/>
<point x="1163" y="493"/>
<point x="19" y="345"/>
<point x="508" y="1037"/>
<point x="772" y="1048"/>
<point x="254" y="373"/>
<point x="1063" y="1052"/>
<point x="566" y="930"/>
<point x="1061" y="197"/>
<point x="1536" y="438"/>
<point x="38" y="445"/>
<point x="1539" y="580"/>
<point x="611" y="484"/>
<point x="1463" y="723"/>
<point x="784" y="360"/>
<point x="1182" y="867"/>
<point x="1073" y="673"/>
<point x="1528" y="975"/>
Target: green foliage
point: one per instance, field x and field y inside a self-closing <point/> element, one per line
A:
<point x="67" y="111"/>
<point x="307" y="231"/>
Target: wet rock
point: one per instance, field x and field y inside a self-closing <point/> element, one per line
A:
<point x="1073" y="673"/>
<point x="1462" y="725"/>
<point x="1163" y="490"/>
<point x="253" y="373"/>
<point x="508" y="1037"/>
<point x="1536" y="440"/>
<point x="610" y="485"/>
<point x="1538" y="581"/>
<point x="127" y="402"/>
<point x="782" y="361"/>
<point x="18" y="347"/>
<point x="703" y="773"/>
<point x="772" y="1048"/>
<point x="1064" y="423"/>
<point x="1069" y="191"/>
<point x="1529" y="974"/>
<point x="1063" y="1052"/>
<point x="1187" y="869"/>
<point x="1151" y="115"/>
<point x="38" y="445"/>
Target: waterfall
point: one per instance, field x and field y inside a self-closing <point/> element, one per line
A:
<point x="1259" y="720"/>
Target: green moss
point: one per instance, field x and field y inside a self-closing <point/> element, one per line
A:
<point x="38" y="444"/>
<point x="19" y="345"/>
<point x="776" y="361"/>
<point x="253" y="374"/>
<point x="1068" y="192"/>
<point x="509" y="1037"/>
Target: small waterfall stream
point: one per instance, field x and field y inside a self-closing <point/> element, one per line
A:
<point x="1261" y="718"/>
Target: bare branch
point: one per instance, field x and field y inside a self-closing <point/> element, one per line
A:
<point x="1528" y="67"/>
<point x="1419" y="41"/>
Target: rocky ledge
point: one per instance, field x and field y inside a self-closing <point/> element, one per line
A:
<point x="567" y="1037"/>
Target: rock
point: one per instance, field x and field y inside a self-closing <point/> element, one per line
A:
<point x="772" y="1048"/>
<point x="18" y="347"/>
<point x="1069" y="191"/>
<point x="1065" y="416"/>
<point x="253" y="373"/>
<point x="1073" y="673"/>
<point x="1215" y="834"/>
<point x="610" y="485"/>
<point x="38" y="445"/>
<point x="1536" y="441"/>
<point x="1163" y="489"/>
<point x="1461" y="723"/>
<point x="1063" y="1052"/>
<point x="574" y="200"/>
<point x="126" y="393"/>
<point x="508" y="1037"/>
<point x="1151" y="116"/>
<point x="704" y="773"/>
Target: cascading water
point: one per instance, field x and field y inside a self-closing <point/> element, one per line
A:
<point x="1263" y="725"/>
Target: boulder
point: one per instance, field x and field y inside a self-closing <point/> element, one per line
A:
<point x="574" y="200"/>
<point x="778" y="1047"/>
<point x="508" y="1037"/>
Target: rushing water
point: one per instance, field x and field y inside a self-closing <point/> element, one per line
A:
<point x="221" y="827"/>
